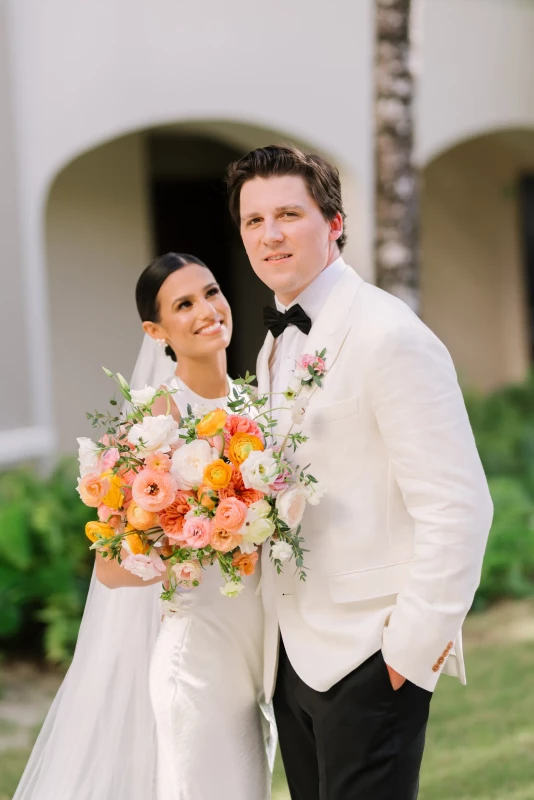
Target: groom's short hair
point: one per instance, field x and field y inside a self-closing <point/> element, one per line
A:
<point x="320" y="176"/>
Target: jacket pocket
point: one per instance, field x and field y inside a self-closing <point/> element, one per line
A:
<point x="316" y="415"/>
<point x="370" y="583"/>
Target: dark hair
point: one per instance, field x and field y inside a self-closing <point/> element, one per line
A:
<point x="152" y="279"/>
<point x="321" y="178"/>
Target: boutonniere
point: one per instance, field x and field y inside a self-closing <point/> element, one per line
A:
<point x="308" y="375"/>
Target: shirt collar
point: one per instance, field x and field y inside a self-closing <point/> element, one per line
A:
<point x="312" y="298"/>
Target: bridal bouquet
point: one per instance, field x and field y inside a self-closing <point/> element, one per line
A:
<point x="174" y="498"/>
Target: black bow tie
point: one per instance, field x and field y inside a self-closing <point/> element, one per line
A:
<point x="277" y="321"/>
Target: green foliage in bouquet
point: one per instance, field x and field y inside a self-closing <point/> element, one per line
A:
<point x="45" y="567"/>
<point x="503" y="424"/>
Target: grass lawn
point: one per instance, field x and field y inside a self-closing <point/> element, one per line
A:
<point x="480" y="742"/>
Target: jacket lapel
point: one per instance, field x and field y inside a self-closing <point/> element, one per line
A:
<point x="331" y="328"/>
<point x="262" y="365"/>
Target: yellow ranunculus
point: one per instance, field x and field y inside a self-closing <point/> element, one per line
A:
<point x="136" y="543"/>
<point x="212" y="423"/>
<point x="218" y="475"/>
<point x="99" y="530"/>
<point x="139" y="519"/>
<point x="241" y="445"/>
<point x="114" y="498"/>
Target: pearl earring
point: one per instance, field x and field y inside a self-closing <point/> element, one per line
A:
<point x="161" y="342"/>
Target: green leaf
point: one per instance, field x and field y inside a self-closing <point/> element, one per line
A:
<point x="15" y="542"/>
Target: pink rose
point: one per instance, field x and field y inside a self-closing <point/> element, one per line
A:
<point x="307" y="360"/>
<point x="231" y="514"/>
<point x="197" y="532"/>
<point x="108" y="459"/>
<point x="92" y="488"/>
<point x="238" y="424"/>
<point x="280" y="483"/>
<point x="153" y="491"/>
<point x="145" y="567"/>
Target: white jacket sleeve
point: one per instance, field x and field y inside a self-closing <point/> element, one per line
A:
<point x="424" y="424"/>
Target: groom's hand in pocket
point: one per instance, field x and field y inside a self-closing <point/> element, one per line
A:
<point x="397" y="680"/>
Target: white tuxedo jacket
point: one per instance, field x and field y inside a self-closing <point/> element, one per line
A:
<point x="395" y="547"/>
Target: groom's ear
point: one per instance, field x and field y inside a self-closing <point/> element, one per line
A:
<point x="336" y="227"/>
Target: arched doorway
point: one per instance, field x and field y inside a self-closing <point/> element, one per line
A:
<point x="109" y="213"/>
<point x="473" y="259"/>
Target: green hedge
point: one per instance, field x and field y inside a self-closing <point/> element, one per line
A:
<point x="503" y="423"/>
<point x="45" y="563"/>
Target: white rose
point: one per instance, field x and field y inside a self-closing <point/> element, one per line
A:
<point x="259" y="469"/>
<point x="143" y="397"/>
<point x="301" y="374"/>
<point x="87" y="455"/>
<point x="190" y="461"/>
<point x="247" y="547"/>
<point x="258" y="510"/>
<point x="282" y="551"/>
<point x="258" y="531"/>
<point x="157" y="433"/>
<point x="232" y="589"/>
<point x="290" y="505"/>
<point x="298" y="408"/>
<point x="188" y="573"/>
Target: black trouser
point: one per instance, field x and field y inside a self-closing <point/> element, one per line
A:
<point x="360" y="740"/>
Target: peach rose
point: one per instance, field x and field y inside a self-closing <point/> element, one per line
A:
<point x="197" y="532"/>
<point x="218" y="475"/>
<point x="98" y="530"/>
<point x="231" y="514"/>
<point x="153" y="491"/>
<point x="203" y="497"/>
<point x="245" y="562"/>
<point x="224" y="541"/>
<point x="158" y="462"/>
<point x="92" y="488"/>
<point x="111" y="517"/>
<point x="241" y="445"/>
<point x="212" y="423"/>
<point x="140" y="519"/>
<point x="172" y="518"/>
<point x="238" y="424"/>
<point x="188" y="573"/>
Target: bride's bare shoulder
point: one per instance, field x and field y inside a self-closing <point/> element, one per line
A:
<point x="159" y="406"/>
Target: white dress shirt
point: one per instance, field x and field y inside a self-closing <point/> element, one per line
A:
<point x="291" y="344"/>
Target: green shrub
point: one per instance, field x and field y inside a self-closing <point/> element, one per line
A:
<point x="45" y="563"/>
<point x="503" y="424"/>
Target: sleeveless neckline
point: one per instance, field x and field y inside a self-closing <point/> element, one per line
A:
<point x="196" y="399"/>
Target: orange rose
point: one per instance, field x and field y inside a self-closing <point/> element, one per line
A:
<point x="203" y="496"/>
<point x="140" y="519"/>
<point x="231" y="514"/>
<point x="224" y="541"/>
<point x="241" y="445"/>
<point x="212" y="423"/>
<point x="218" y="475"/>
<point x="246" y="562"/>
<point x="172" y="518"/>
<point x="99" y="530"/>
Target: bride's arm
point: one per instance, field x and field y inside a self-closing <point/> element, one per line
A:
<point x="110" y="573"/>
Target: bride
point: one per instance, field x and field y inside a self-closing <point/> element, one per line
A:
<point x="168" y="710"/>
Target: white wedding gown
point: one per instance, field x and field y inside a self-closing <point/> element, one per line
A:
<point x="206" y="685"/>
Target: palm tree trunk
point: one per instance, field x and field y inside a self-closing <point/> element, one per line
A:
<point x="396" y="187"/>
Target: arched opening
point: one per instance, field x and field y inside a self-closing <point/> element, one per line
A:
<point x="113" y="209"/>
<point x="474" y="275"/>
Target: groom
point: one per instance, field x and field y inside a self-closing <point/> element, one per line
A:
<point x="352" y="655"/>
